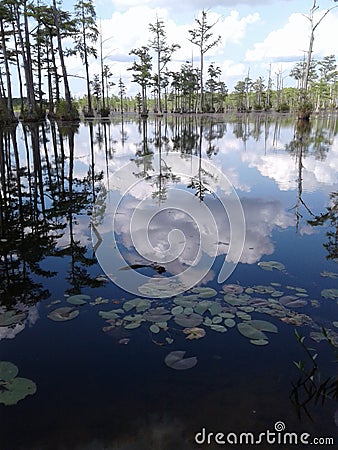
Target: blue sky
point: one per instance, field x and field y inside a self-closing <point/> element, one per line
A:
<point x="254" y="34"/>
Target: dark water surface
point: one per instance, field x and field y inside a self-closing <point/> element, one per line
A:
<point x="93" y="390"/>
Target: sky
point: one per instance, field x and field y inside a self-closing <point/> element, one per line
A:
<point x="254" y="34"/>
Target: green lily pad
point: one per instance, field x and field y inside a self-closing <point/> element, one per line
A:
<point x="219" y="328"/>
<point x="159" y="314"/>
<point x="193" y="320"/>
<point x="215" y="309"/>
<point x="259" y="341"/>
<point x="226" y="315"/>
<point x="176" y="310"/>
<point x="204" y="292"/>
<point x="263" y="325"/>
<point x="11" y="317"/>
<point x="78" y="300"/>
<point x="8" y="370"/>
<point x="185" y="302"/>
<point x="188" y="310"/>
<point x="250" y="332"/>
<point x="132" y="325"/>
<point x="330" y="293"/>
<point x="230" y="323"/>
<point x="207" y="321"/>
<point x="175" y="360"/>
<point x="154" y="328"/>
<point x="243" y="315"/>
<point x="63" y="314"/>
<point x="233" y="289"/>
<point x="169" y="340"/>
<point x="217" y="319"/>
<point x="141" y="304"/>
<point x="264" y="289"/>
<point x="109" y="314"/>
<point x="329" y="274"/>
<point x="233" y="300"/>
<point x="270" y="265"/>
<point x="16" y="389"/>
<point x="290" y="301"/>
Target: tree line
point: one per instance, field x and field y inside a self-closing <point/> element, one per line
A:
<point x="32" y="49"/>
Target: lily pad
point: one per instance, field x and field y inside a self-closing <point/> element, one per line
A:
<point x="193" y="320"/>
<point x="154" y="328"/>
<point x="290" y="301"/>
<point x="204" y="292"/>
<point x="8" y="370"/>
<point x="217" y="319"/>
<point x="63" y="314"/>
<point x="157" y="315"/>
<point x="230" y="323"/>
<point x="132" y="325"/>
<point x="250" y="332"/>
<point x="109" y="314"/>
<point x="232" y="289"/>
<point x="215" y="309"/>
<point x="176" y="310"/>
<point x="141" y="304"/>
<point x="78" y="300"/>
<point x="15" y="390"/>
<point x="259" y="341"/>
<point x="175" y="360"/>
<point x="270" y="265"/>
<point x="194" y="333"/>
<point x="330" y="293"/>
<point x="219" y="328"/>
<point x="329" y="274"/>
<point x="263" y="325"/>
<point x="185" y="302"/>
<point x="11" y="317"/>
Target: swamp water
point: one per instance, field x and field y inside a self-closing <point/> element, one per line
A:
<point x="197" y="329"/>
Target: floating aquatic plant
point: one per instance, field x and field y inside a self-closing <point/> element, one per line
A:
<point x="233" y="289"/>
<point x="175" y="360"/>
<point x="13" y="388"/>
<point x="140" y="304"/>
<point x="194" y="333"/>
<point x="193" y="320"/>
<point x="330" y="293"/>
<point x="270" y="265"/>
<point x="291" y="301"/>
<point x="78" y="300"/>
<point x="63" y="314"/>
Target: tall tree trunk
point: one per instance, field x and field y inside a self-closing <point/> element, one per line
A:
<point x="70" y="111"/>
<point x="9" y="108"/>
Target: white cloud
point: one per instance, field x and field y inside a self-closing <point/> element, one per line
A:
<point x="292" y="40"/>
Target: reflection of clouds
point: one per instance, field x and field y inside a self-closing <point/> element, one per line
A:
<point x="262" y="217"/>
<point x="81" y="233"/>
<point x="283" y="169"/>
